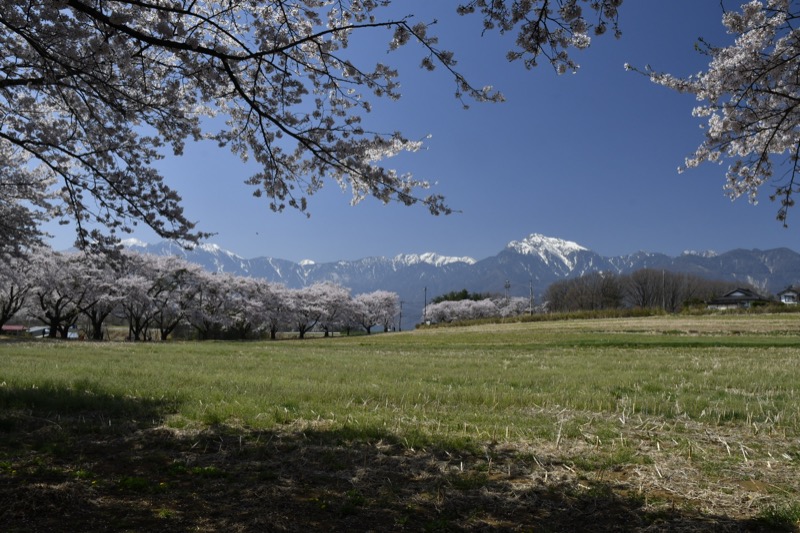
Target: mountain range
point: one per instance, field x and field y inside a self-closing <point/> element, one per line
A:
<point x="530" y="264"/>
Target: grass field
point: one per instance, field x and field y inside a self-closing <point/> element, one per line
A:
<point x="659" y="423"/>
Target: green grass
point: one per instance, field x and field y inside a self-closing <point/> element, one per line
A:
<point x="484" y="383"/>
<point x="705" y="406"/>
<point x="783" y="518"/>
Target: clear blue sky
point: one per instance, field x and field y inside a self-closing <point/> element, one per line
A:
<point x="590" y="157"/>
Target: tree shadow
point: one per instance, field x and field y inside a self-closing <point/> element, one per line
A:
<point x="81" y="460"/>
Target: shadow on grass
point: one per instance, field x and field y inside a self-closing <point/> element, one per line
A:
<point x="81" y="398"/>
<point x="81" y="460"/>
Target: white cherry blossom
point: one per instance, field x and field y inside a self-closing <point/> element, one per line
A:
<point x="750" y="98"/>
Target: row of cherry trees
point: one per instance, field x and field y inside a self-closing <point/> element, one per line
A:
<point x="154" y="295"/>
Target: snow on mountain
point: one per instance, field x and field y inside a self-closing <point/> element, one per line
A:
<point x="705" y="253"/>
<point x="431" y="258"/>
<point x="133" y="243"/>
<point x="213" y="249"/>
<point x="218" y="250"/>
<point x="548" y="249"/>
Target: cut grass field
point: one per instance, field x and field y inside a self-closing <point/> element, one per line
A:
<point x="643" y="424"/>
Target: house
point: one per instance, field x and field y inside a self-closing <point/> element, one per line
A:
<point x="737" y="299"/>
<point x="12" y="329"/>
<point x="790" y="295"/>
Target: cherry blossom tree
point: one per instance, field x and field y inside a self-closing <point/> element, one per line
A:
<point x="94" y="92"/>
<point x="445" y="311"/>
<point x="375" y="308"/>
<point x="274" y="307"/>
<point x="244" y="297"/>
<point x="258" y="296"/>
<point x="208" y="312"/>
<point x="469" y="309"/>
<point x="514" y="306"/>
<point x="24" y="200"/>
<point x="389" y="305"/>
<point x="336" y="306"/>
<point x="102" y="295"/>
<point x="15" y="284"/>
<point x="58" y="291"/>
<point x="306" y="307"/>
<point x="750" y="97"/>
<point x="174" y="287"/>
<point x="136" y="302"/>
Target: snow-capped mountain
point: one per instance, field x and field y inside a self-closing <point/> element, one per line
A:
<point x="533" y="262"/>
<point x="557" y="254"/>
<point x="546" y="247"/>
<point x="431" y="259"/>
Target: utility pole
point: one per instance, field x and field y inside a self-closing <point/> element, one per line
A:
<point x="530" y="304"/>
<point x="425" y="308"/>
<point x="400" y="318"/>
<point x="507" y="286"/>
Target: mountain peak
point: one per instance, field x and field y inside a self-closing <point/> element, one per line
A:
<point x="549" y="249"/>
<point x="537" y="244"/>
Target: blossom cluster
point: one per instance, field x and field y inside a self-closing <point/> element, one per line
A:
<point x="548" y="29"/>
<point x="750" y="99"/>
<point x="467" y="309"/>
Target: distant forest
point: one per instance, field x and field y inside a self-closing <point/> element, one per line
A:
<point x="646" y="289"/>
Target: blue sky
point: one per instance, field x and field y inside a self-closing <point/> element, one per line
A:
<point x="590" y="157"/>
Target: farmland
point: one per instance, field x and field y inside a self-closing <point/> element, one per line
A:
<point x="655" y="423"/>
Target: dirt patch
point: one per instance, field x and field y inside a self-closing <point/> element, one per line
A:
<point x="85" y="474"/>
